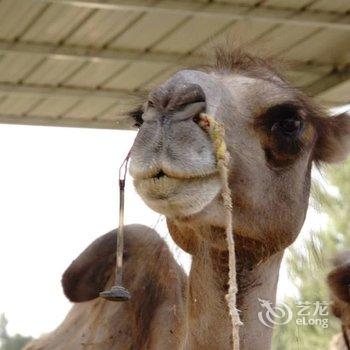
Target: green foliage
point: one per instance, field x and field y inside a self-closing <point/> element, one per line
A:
<point x="7" y="342"/>
<point x="308" y="265"/>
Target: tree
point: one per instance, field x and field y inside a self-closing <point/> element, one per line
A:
<point x="7" y="342"/>
<point x="308" y="267"/>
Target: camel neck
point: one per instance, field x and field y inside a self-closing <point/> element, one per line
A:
<point x="256" y="284"/>
<point x="209" y="324"/>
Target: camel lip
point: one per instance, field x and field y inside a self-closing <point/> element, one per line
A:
<point x="178" y="197"/>
<point x="163" y="174"/>
<point x="164" y="181"/>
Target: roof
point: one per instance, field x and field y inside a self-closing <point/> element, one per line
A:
<point x="77" y="62"/>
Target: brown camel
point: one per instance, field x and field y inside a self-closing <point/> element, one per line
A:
<point x="274" y="133"/>
<point x="339" y="284"/>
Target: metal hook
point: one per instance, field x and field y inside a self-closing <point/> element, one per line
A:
<point x="117" y="291"/>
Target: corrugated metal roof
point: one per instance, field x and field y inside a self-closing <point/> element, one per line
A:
<point x="76" y="62"/>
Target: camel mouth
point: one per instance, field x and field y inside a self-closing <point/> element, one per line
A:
<point x="173" y="196"/>
<point x="163" y="186"/>
<point x="171" y="174"/>
<point x="160" y="174"/>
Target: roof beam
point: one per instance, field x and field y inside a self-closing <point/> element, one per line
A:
<point x="52" y="51"/>
<point x="328" y="81"/>
<point x="71" y="52"/>
<point x="47" y="91"/>
<point x="66" y="122"/>
<point x="231" y="11"/>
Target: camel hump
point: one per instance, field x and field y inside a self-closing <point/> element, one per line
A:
<point x="89" y="273"/>
<point x="152" y="319"/>
<point x="339" y="278"/>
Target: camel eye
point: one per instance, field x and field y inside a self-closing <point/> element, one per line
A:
<point x="281" y="127"/>
<point x="291" y="126"/>
<point x="284" y="120"/>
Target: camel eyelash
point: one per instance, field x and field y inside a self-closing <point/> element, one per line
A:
<point x="136" y="115"/>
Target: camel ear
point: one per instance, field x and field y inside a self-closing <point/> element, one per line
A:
<point x="339" y="282"/>
<point x="333" y="138"/>
<point x="88" y="274"/>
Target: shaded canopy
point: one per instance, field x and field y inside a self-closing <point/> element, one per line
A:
<point x="76" y="63"/>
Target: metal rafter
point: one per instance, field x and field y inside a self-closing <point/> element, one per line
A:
<point x="317" y="88"/>
<point x="70" y="122"/>
<point x="70" y="52"/>
<point x="308" y="18"/>
<point x="321" y="85"/>
<point x="328" y="82"/>
<point x="46" y="91"/>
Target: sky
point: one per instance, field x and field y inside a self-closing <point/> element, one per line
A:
<point x="59" y="192"/>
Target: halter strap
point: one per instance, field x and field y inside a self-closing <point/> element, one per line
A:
<point x="118" y="292"/>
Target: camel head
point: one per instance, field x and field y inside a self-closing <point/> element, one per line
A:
<point x="273" y="133"/>
<point x="339" y="284"/>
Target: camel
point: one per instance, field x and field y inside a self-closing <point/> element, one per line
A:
<point x="274" y="134"/>
<point x="339" y="282"/>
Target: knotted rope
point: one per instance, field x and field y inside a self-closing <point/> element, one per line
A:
<point x="217" y="133"/>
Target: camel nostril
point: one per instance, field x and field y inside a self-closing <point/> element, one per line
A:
<point x="187" y="95"/>
<point x="196" y="118"/>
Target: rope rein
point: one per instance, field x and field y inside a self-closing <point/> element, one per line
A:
<point x="217" y="133"/>
<point x="117" y="291"/>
